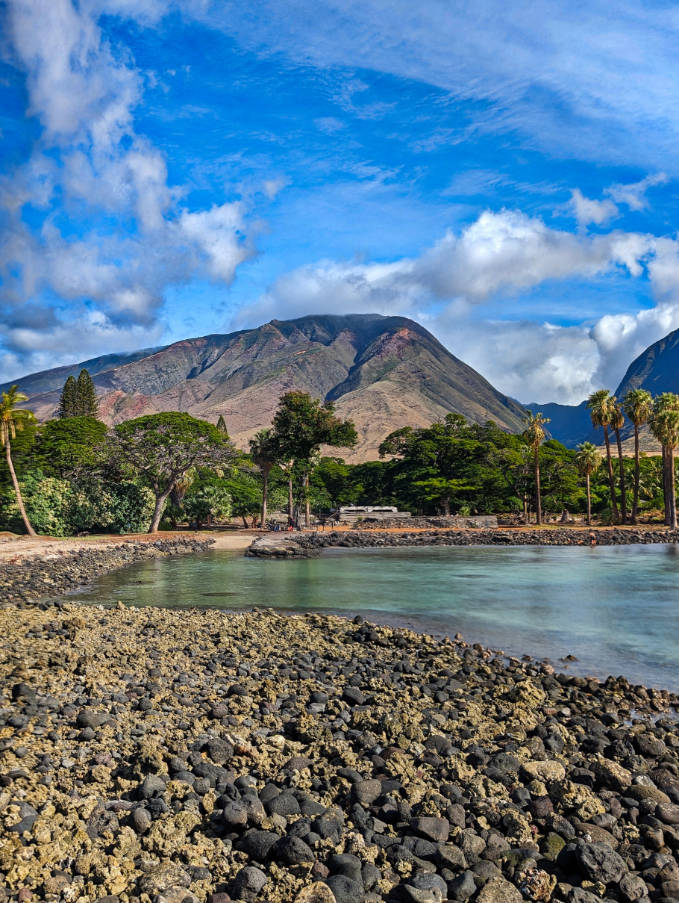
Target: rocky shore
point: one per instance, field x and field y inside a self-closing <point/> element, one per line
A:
<point x="172" y="757"/>
<point x="309" y="545"/>
<point x="33" y="578"/>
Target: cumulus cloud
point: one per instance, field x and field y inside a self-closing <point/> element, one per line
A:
<point x="498" y="255"/>
<point x="115" y="232"/>
<point x="509" y="250"/>
<point x="218" y="234"/>
<point x="632" y="195"/>
<point x="505" y="251"/>
<point x="34" y="347"/>
<point x="588" y="211"/>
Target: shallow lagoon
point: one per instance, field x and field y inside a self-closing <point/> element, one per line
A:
<point x="616" y="608"/>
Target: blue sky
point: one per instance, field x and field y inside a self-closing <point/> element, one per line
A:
<point x="507" y="175"/>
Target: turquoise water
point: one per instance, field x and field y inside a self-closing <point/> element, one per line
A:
<point x="616" y="609"/>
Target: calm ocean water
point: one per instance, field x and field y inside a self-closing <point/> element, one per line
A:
<point x="615" y="608"/>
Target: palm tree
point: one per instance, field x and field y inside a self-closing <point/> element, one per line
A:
<point x="601" y="405"/>
<point x="617" y="422"/>
<point x="534" y="434"/>
<point x="264" y="451"/>
<point x="637" y="404"/>
<point x="588" y="459"/>
<point x="664" y="423"/>
<point x="12" y="420"/>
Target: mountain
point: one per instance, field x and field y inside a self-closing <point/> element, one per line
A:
<point x="656" y="370"/>
<point x="569" y="424"/>
<point x="382" y="372"/>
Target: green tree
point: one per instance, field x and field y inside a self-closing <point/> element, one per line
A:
<point x="601" y="406"/>
<point x="637" y="405"/>
<point x="221" y="426"/>
<point x="12" y="420"/>
<point x="436" y="461"/>
<point x="86" y="404"/>
<point x="588" y="460"/>
<point x="664" y="423"/>
<point x="301" y="425"/>
<point x="207" y="497"/>
<point x="265" y="452"/>
<point x="534" y="435"/>
<point x="163" y="448"/>
<point x="335" y="480"/>
<point x="45" y="501"/>
<point x="245" y="495"/>
<point x="64" y="447"/>
<point x="445" y="492"/>
<point x="69" y="399"/>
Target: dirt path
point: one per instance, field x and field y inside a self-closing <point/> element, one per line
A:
<point x="16" y="548"/>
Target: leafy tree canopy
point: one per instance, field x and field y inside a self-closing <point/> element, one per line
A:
<point x="302" y="424"/>
<point x="65" y="446"/>
<point x="162" y="448"/>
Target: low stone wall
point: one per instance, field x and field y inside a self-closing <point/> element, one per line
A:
<point x="508" y="537"/>
<point x="35" y="579"/>
<point x="480" y="521"/>
<point x="310" y="544"/>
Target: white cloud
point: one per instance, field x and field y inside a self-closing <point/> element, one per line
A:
<point x="38" y="349"/>
<point x="511" y="251"/>
<point x="590" y="211"/>
<point x="634" y="195"/>
<point x="76" y="86"/>
<point x="498" y="254"/>
<point x="218" y="234"/>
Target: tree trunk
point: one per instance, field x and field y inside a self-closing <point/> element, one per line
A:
<point x="635" y="501"/>
<point x="17" y="490"/>
<point x="525" y="508"/>
<point x="307" y="504"/>
<point x="446" y="507"/>
<point x="611" y="479"/>
<point x="290" y="503"/>
<point x="538" y="501"/>
<point x="623" y="490"/>
<point x="666" y="486"/>
<point x="589" y="503"/>
<point x="265" y="496"/>
<point x="161" y="501"/>
<point x="673" y="497"/>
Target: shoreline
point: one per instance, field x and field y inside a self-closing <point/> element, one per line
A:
<point x="195" y="753"/>
<point x="33" y="570"/>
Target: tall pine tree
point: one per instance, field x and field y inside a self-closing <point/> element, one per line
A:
<point x="68" y="399"/>
<point x="221" y="426"/>
<point x="86" y="396"/>
<point x="78" y="397"/>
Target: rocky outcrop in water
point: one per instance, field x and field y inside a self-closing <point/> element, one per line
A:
<point x="174" y="757"/>
<point x="41" y="578"/>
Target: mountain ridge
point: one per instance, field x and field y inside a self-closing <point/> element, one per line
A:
<point x="383" y="372"/>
